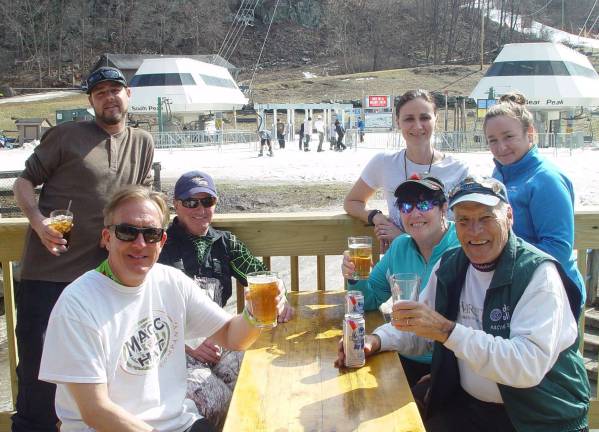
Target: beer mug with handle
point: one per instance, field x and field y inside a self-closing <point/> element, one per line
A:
<point x="261" y="297"/>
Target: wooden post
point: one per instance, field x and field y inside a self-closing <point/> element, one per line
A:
<point x="266" y="261"/>
<point x="9" y="310"/>
<point x="591" y="275"/>
<point x="294" y="264"/>
<point x="321" y="272"/>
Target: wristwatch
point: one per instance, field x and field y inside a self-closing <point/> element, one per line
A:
<point x="371" y="216"/>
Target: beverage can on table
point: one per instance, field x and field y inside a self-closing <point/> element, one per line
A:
<point x="353" y="340"/>
<point x="354" y="302"/>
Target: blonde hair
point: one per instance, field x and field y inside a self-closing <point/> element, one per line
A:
<point x="511" y="105"/>
<point x="136" y="192"/>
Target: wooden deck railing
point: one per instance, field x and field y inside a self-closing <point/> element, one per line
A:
<point x="288" y="235"/>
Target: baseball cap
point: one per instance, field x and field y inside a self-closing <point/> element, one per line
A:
<point x="420" y="184"/>
<point x="194" y="182"/>
<point x="483" y="190"/>
<point x="104" y="73"/>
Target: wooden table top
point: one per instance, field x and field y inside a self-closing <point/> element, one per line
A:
<point x="287" y="380"/>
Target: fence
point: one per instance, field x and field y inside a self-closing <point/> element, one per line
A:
<point x="458" y="141"/>
<point x="195" y="139"/>
<point x="8" y="204"/>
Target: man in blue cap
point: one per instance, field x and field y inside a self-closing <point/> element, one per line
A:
<point x="502" y="318"/>
<point x="213" y="256"/>
<point x="80" y="163"/>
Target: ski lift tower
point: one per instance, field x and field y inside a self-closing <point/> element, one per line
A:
<point x="246" y="16"/>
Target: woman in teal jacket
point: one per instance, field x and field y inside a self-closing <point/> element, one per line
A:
<point x="541" y="196"/>
<point x="423" y="211"/>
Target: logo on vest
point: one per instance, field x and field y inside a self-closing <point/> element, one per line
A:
<point x="503" y="315"/>
<point x="496" y="315"/>
<point x="150" y="344"/>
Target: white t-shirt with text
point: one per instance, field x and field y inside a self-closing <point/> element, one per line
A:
<point x="132" y="339"/>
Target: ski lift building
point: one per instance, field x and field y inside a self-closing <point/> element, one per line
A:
<point x="556" y="80"/>
<point x="189" y="87"/>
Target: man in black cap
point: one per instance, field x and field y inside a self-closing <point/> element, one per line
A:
<point x="80" y="163"/>
<point x="212" y="256"/>
<point x="502" y="317"/>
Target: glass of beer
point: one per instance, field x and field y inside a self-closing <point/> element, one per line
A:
<point x="360" y="253"/>
<point x="404" y="287"/>
<point x="62" y="221"/>
<point x="261" y="297"/>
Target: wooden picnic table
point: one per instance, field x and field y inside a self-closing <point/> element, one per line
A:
<point x="287" y="380"/>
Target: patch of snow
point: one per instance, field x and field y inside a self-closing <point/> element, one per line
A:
<point x="37" y="96"/>
<point x="309" y="75"/>
<point x="240" y="163"/>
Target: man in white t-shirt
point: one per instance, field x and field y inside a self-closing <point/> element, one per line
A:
<point x="115" y="344"/>
<point x="502" y="317"/>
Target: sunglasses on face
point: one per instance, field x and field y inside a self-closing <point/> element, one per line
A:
<point x="192" y="203"/>
<point x="129" y="233"/>
<point x="423" y="206"/>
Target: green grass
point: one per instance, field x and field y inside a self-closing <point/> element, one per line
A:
<point x="43" y="109"/>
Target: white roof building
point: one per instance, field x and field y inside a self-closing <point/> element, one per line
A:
<point x="551" y="76"/>
<point x="190" y="87"/>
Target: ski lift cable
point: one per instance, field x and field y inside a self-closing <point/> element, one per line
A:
<point x="593" y="25"/>
<point x="233" y="23"/>
<point x="232" y="28"/>
<point x="235" y="39"/>
<point x="263" y="44"/>
<point x="230" y="53"/>
<point x="228" y="57"/>
<point x="587" y="20"/>
<point x="236" y="35"/>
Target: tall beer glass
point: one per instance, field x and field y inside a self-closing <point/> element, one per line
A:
<point x="360" y="253"/>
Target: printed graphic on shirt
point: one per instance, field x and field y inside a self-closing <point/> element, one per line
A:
<point x="150" y="344"/>
<point x="470" y="315"/>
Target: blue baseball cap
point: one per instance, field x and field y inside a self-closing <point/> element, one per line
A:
<point x="482" y="190"/>
<point x="194" y="182"/>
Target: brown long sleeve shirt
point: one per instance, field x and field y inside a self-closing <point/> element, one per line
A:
<point x="80" y="161"/>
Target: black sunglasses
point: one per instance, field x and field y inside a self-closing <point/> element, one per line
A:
<point x="129" y="233"/>
<point x="192" y="203"/>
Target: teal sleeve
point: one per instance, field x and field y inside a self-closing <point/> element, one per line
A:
<point x="376" y="289"/>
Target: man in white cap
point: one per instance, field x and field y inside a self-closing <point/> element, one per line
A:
<point x="502" y="317"/>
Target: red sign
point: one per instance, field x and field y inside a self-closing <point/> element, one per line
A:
<point x="378" y="101"/>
